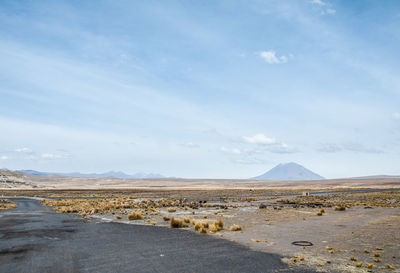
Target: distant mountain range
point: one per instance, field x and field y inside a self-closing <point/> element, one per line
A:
<point x="111" y="174"/>
<point x="289" y="171"/>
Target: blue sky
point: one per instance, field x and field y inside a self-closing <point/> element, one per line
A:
<point x="202" y="89"/>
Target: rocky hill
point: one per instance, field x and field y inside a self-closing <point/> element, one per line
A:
<point x="10" y="179"/>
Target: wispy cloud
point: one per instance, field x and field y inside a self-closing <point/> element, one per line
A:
<point x="330" y="11"/>
<point x="249" y="161"/>
<point x="318" y="2"/>
<point x="53" y="156"/>
<point x="264" y="143"/>
<point x="329" y="148"/>
<point x="259" y="139"/>
<point x="189" y="145"/>
<point x="348" y="146"/>
<point x="3" y="157"/>
<point x="271" y="57"/>
<point x="23" y="150"/>
<point x="323" y="7"/>
<point x="234" y="151"/>
<point x="396" y="115"/>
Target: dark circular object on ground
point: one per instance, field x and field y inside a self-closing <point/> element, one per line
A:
<point x="302" y="243"/>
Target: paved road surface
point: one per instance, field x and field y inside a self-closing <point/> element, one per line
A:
<point x="34" y="238"/>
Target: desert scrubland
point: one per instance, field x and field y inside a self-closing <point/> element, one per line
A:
<point x="349" y="225"/>
<point x="341" y="232"/>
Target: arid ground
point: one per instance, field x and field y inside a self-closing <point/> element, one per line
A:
<point x="324" y="226"/>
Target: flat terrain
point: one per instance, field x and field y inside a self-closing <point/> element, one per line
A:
<point x="36" y="239"/>
<point x="177" y="184"/>
<point x="362" y="236"/>
<point x="117" y="225"/>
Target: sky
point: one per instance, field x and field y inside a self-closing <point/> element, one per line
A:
<point x="200" y="89"/>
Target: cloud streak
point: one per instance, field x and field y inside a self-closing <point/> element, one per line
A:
<point x="348" y="146"/>
<point x="271" y="57"/>
<point x="260" y="139"/>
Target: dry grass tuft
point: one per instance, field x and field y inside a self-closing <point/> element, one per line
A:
<point x="370" y="266"/>
<point x="154" y="223"/>
<point x="366" y="251"/>
<point x="219" y="223"/>
<point x="203" y="230"/>
<point x="359" y="264"/>
<point x="379" y="248"/>
<point x="171" y="209"/>
<point x="319" y="213"/>
<point x="118" y="217"/>
<point x="176" y="223"/>
<point x="340" y="208"/>
<point x="186" y="220"/>
<point x="197" y="225"/>
<point x="235" y="228"/>
<point x="166" y="218"/>
<point x="216" y="226"/>
<point x="201" y="225"/>
<point x="135" y="215"/>
<point x="377" y="260"/>
<point x="377" y="254"/>
<point x="213" y="228"/>
<point x="354" y="259"/>
<point x="389" y="266"/>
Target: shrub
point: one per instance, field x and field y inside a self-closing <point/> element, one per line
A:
<point x="176" y="223"/>
<point x="213" y="228"/>
<point x="135" y="215"/>
<point x="220" y="224"/>
<point x="235" y="228"/>
<point x="171" y="209"/>
<point x="203" y="230"/>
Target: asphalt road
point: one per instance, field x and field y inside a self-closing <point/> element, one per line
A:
<point x="34" y="238"/>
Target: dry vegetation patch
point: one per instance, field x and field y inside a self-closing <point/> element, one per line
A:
<point x="7" y="204"/>
<point x="343" y="200"/>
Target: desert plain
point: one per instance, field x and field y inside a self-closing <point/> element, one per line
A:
<point x="343" y="225"/>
